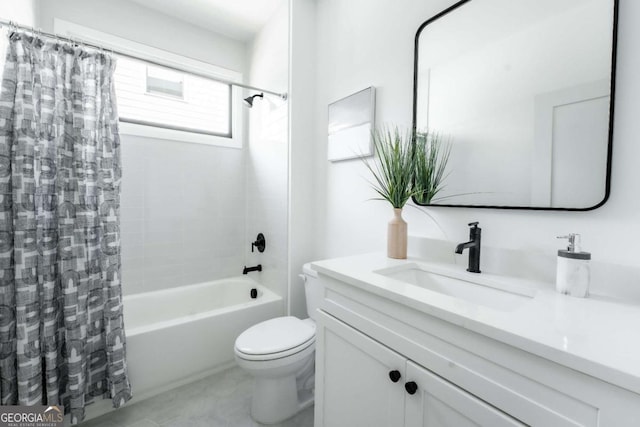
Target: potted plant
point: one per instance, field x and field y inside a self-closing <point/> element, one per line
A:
<point x="393" y="172"/>
<point x="406" y="164"/>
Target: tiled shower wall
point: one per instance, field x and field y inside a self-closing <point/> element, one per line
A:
<point x="182" y="213"/>
<point x="267" y="152"/>
<point x="182" y="204"/>
<point x="190" y="211"/>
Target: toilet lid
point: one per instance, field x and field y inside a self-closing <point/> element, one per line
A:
<point x="275" y="336"/>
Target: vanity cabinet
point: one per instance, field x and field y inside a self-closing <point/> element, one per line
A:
<point x="367" y="384"/>
<point x="445" y="374"/>
<point x="439" y="403"/>
<point x="358" y="389"/>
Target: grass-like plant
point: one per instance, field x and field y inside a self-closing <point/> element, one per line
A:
<point x="394" y="168"/>
<point x="408" y="164"/>
<point x="430" y="161"/>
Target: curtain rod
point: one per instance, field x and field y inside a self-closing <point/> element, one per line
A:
<point x="130" y="56"/>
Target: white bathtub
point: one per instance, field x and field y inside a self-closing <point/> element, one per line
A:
<point x="178" y="335"/>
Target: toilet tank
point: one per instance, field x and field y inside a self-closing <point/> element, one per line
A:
<point x="313" y="290"/>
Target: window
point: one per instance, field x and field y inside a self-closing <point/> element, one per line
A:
<point x="161" y="102"/>
<point x="161" y="97"/>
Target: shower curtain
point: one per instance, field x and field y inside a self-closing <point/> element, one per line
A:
<point x="62" y="338"/>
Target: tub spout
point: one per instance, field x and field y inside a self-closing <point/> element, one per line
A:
<point x="246" y="269"/>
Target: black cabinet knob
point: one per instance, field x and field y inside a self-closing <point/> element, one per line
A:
<point x="395" y="376"/>
<point x="411" y="387"/>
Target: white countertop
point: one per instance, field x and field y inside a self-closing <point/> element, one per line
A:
<point x="596" y="335"/>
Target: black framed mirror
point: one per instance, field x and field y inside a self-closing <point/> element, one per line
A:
<point x="523" y="93"/>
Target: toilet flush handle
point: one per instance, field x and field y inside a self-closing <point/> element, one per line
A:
<point x="303" y="277"/>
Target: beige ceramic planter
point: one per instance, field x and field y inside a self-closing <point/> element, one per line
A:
<point x="397" y="236"/>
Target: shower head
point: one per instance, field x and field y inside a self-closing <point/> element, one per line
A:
<point x="249" y="100"/>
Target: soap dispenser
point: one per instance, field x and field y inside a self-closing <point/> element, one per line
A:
<point x="573" y="272"/>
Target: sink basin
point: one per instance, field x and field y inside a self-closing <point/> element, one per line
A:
<point x="470" y="287"/>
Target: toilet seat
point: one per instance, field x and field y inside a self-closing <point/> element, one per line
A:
<point x="275" y="339"/>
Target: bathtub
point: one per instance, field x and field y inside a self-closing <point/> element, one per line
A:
<point x="178" y="335"/>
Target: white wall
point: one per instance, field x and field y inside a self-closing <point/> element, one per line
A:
<point x="267" y="151"/>
<point x="361" y="43"/>
<point x="21" y="12"/>
<point x="182" y="204"/>
<point x="134" y="22"/>
<point x="370" y="42"/>
<point x="302" y="215"/>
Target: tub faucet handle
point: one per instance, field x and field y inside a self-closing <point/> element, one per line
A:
<point x="259" y="244"/>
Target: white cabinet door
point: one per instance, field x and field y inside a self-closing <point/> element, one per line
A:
<point x="354" y="386"/>
<point x="438" y="403"/>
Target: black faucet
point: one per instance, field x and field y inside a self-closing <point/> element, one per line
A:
<point x="474" y="248"/>
<point x="246" y="269"/>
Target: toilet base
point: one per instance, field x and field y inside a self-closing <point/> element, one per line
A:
<point x="276" y="399"/>
<point x="283" y="381"/>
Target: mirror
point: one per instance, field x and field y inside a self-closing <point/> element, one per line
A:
<point x="522" y="90"/>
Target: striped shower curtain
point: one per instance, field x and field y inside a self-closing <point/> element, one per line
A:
<point x="62" y="338"/>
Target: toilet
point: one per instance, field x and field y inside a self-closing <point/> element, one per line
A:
<point x="280" y="354"/>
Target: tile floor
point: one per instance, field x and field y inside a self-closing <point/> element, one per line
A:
<point x="221" y="400"/>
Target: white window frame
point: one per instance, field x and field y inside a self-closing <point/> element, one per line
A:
<point x="109" y="41"/>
